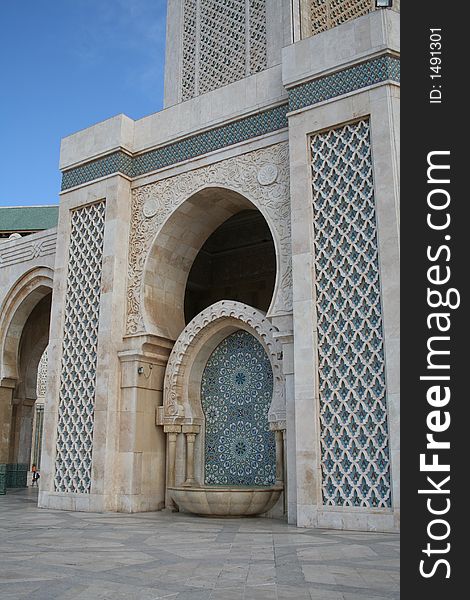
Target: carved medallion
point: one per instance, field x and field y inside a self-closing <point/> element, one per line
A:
<point x="267" y="175"/>
<point x="150" y="208"/>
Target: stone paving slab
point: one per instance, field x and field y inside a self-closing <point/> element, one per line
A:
<point x="47" y="555"/>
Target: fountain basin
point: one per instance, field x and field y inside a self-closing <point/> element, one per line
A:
<point x="225" y="501"/>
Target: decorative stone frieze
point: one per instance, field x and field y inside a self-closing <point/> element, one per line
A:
<point x="27" y="249"/>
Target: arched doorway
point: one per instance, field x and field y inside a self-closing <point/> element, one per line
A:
<point x="215" y="246"/>
<point x="213" y="269"/>
<point x="24" y="336"/>
<point x="33" y="343"/>
<point x="237" y="262"/>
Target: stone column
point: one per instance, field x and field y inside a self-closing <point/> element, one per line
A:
<point x="286" y="337"/>
<point x="374" y="106"/>
<point x="172" y="431"/>
<point x="6" y="407"/>
<point x="142" y="444"/>
<point x="25" y="433"/>
<point x="284" y="454"/>
<point x="14" y="430"/>
<point x="190" y="432"/>
<point x="279" y="457"/>
<point x="94" y="486"/>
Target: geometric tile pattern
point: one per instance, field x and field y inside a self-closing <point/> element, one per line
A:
<point x="236" y="392"/>
<point x="342" y="82"/>
<point x="374" y="71"/>
<point x="326" y="14"/>
<point x="116" y="162"/>
<point x="223" y="41"/>
<point x="79" y="351"/>
<point x="353" y="408"/>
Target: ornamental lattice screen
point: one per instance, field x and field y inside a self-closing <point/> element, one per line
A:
<point x="79" y="350"/>
<point x="223" y="41"/>
<point x="326" y="14"/>
<point x="41" y="384"/>
<point x="353" y="408"/>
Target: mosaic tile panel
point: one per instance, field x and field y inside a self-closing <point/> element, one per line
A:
<point x="79" y="351"/>
<point x="360" y="76"/>
<point x="236" y="392"/>
<point x="353" y="407"/>
<point x="326" y="14"/>
<point x="117" y="162"/>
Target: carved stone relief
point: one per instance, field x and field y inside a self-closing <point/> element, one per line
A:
<point x="175" y="408"/>
<point x="262" y="176"/>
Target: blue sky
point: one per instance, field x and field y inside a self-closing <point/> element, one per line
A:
<point x="65" y="65"/>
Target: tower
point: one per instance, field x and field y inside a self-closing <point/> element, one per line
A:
<point x="212" y="43"/>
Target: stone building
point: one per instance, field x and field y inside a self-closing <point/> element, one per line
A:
<point x="219" y="300"/>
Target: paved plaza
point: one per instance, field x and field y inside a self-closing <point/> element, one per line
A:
<point x="46" y="554"/>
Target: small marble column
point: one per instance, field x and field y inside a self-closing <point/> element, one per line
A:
<point x="171" y="458"/>
<point x="190" y="433"/>
<point x="172" y="432"/>
<point x="284" y="467"/>
<point x="279" y="457"/>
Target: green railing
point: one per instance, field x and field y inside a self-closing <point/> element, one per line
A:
<point x="3" y="479"/>
<point x="13" y="476"/>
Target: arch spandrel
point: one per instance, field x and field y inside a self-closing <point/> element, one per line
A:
<point x="181" y="395"/>
<point x="260" y="177"/>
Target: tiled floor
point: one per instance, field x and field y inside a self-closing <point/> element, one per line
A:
<point x="48" y="554"/>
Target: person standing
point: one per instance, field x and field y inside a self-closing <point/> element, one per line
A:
<point x="36" y="475"/>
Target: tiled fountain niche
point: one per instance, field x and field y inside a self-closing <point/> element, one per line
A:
<point x="236" y="393"/>
<point x="224" y="414"/>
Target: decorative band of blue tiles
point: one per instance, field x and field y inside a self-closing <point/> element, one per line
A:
<point x="376" y="70"/>
<point x="117" y="162"/>
<point x="343" y="82"/>
<point x="191" y="147"/>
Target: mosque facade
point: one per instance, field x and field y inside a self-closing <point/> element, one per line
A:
<point x="213" y="324"/>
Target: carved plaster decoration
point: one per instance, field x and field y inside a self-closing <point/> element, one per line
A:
<point x="153" y="204"/>
<point x="22" y="251"/>
<point x="267" y="175"/>
<point x="176" y="409"/>
<point x="150" y="208"/>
